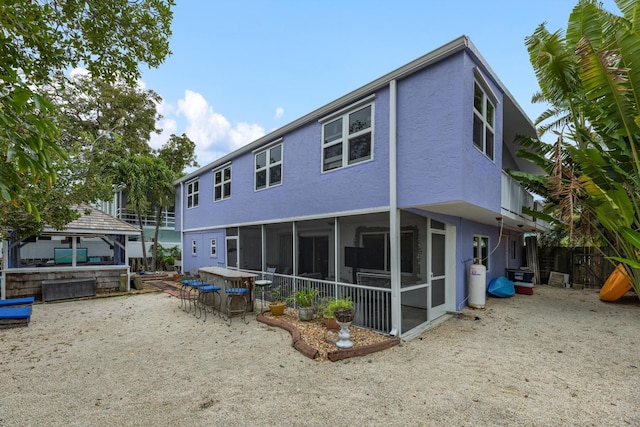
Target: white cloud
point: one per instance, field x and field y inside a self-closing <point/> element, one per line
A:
<point x="279" y="113"/>
<point x="212" y="133"/>
<point x="79" y="72"/>
<point x="168" y="126"/>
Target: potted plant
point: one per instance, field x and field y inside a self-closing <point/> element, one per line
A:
<point x="344" y="313"/>
<point x="277" y="304"/>
<point x="342" y="309"/>
<point x="331" y="308"/>
<point x="305" y="300"/>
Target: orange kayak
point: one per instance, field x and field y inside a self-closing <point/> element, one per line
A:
<point x="616" y="285"/>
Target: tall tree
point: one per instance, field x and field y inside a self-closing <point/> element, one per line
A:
<point x="100" y="123"/>
<point x="178" y="153"/>
<point x="592" y="73"/>
<point x="143" y="177"/>
<point x="39" y="38"/>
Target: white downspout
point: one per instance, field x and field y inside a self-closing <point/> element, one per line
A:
<point x="182" y="243"/>
<point x="336" y="250"/>
<point x="394" y="214"/>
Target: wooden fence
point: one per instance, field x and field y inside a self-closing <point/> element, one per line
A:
<point x="587" y="266"/>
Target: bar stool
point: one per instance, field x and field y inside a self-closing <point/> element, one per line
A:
<point x="193" y="294"/>
<point x="239" y="295"/>
<point x="186" y="285"/>
<point x="211" y="291"/>
<point x="267" y="280"/>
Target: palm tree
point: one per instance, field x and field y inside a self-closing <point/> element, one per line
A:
<point x="591" y="78"/>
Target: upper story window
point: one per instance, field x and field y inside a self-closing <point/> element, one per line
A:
<point x="347" y="139"/>
<point x="192" y="194"/>
<point x="268" y="172"/>
<point x="483" y="121"/>
<point x="222" y="183"/>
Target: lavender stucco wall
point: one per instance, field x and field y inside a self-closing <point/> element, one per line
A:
<point x="464" y="255"/>
<point x="203" y="257"/>
<point x="305" y="190"/>
<point x="437" y="161"/>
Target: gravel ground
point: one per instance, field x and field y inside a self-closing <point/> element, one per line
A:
<point x="558" y="357"/>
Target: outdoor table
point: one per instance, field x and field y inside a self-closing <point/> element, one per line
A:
<point x="227" y="278"/>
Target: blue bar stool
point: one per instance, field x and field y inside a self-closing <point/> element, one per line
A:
<point x="209" y="291"/>
<point x="238" y="296"/>
<point x="186" y="285"/>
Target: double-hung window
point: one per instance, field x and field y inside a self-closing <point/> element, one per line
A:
<point x="268" y="171"/>
<point x="483" y="120"/>
<point x="222" y="183"/>
<point x="481" y="250"/>
<point x="348" y="139"/>
<point x="192" y="194"/>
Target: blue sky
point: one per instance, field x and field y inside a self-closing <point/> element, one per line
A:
<point x="243" y="68"/>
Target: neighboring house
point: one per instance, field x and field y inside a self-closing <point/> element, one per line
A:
<point x="91" y="248"/>
<point x="168" y="237"/>
<point x="386" y="194"/>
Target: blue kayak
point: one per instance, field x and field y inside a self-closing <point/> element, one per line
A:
<point x="501" y="287"/>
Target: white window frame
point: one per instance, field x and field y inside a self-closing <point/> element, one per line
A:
<point x="222" y="183"/>
<point x="194" y="247"/>
<point x="193" y="197"/>
<point x="345" y="137"/>
<point x="214" y="248"/>
<point x="267" y="167"/>
<point x="486" y="118"/>
<point x="477" y="249"/>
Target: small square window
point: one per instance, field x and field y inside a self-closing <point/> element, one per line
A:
<point x="214" y="249"/>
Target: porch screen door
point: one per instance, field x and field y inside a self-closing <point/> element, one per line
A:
<point x="232" y="252"/>
<point x="438" y="268"/>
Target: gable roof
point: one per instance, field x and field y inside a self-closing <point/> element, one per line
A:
<point x="94" y="221"/>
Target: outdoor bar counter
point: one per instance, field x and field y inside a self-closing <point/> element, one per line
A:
<point x="227" y="278"/>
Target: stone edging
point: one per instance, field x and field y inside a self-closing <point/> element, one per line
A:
<point x="312" y="353"/>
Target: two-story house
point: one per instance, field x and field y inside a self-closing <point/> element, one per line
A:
<point x="386" y="194"/>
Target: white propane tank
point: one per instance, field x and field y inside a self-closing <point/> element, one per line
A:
<point x="477" y="285"/>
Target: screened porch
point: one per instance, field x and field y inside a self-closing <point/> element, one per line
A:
<point x="350" y="257"/>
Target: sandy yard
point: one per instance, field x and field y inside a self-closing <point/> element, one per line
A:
<point x="558" y="357"/>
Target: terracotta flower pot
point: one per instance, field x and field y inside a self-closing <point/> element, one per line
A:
<point x="331" y="323"/>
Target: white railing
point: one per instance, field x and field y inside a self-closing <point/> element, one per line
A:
<point x="167" y="219"/>
<point x="514" y="197"/>
<point x="372" y="304"/>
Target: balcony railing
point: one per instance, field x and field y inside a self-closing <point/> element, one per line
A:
<point x="167" y="219"/>
<point x="515" y="197"/>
